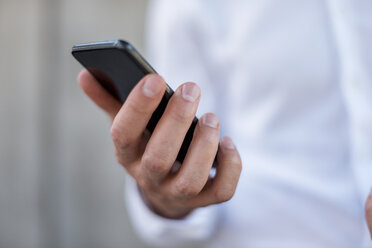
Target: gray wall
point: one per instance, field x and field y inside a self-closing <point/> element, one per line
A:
<point x="60" y="185"/>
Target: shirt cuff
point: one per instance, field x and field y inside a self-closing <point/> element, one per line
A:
<point x="197" y="227"/>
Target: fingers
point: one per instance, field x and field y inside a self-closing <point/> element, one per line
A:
<point x="198" y="162"/>
<point x="149" y="159"/>
<point x="223" y="186"/>
<point x="166" y="140"/>
<point x="98" y="94"/>
<point x="369" y="212"/>
<point x="130" y="123"/>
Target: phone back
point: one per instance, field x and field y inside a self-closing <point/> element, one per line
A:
<point x="113" y="64"/>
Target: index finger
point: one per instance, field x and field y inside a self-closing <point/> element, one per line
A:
<point x="98" y="94"/>
<point x="131" y="121"/>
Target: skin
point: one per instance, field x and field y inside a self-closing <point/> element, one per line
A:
<point x="150" y="159"/>
<point x="369" y="212"/>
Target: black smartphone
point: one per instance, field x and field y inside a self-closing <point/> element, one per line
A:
<point x="118" y="67"/>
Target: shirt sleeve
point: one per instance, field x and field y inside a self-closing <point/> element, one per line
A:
<point x="155" y="230"/>
<point x="177" y="47"/>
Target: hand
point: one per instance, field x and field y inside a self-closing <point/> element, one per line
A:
<point x="170" y="192"/>
<point x="369" y="212"/>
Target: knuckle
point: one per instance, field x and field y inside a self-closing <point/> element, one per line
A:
<point x="122" y="161"/>
<point x="145" y="184"/>
<point x="119" y="158"/>
<point x="211" y="138"/>
<point x="119" y="138"/>
<point x="186" y="189"/>
<point x="181" y="115"/>
<point x="137" y="106"/>
<point x="155" y="164"/>
<point x="223" y="195"/>
<point x="115" y="134"/>
<point x="125" y="158"/>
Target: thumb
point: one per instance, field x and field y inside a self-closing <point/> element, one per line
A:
<point x="98" y="94"/>
<point x="369" y="212"/>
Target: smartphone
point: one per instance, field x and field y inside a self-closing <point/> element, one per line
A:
<point x="118" y="67"/>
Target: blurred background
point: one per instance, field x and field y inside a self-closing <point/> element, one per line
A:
<point x="60" y="185"/>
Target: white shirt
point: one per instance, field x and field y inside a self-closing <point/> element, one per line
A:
<point x="292" y="84"/>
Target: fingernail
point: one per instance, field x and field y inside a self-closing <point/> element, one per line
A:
<point x="210" y="120"/>
<point x="227" y="143"/>
<point x="152" y="86"/>
<point x="190" y="92"/>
